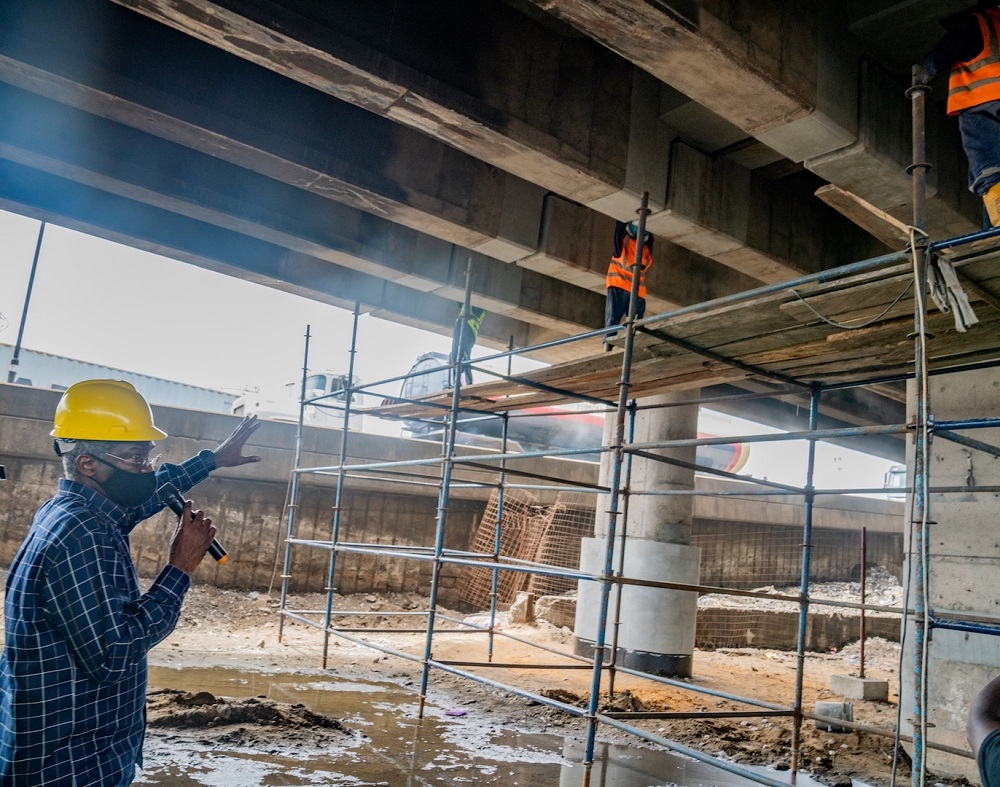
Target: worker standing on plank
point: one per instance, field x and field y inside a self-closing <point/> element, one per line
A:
<point x="971" y="50"/>
<point x="464" y="339"/>
<point x="73" y="672"/>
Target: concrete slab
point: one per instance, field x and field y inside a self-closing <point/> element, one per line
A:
<point x="834" y="710"/>
<point x="855" y="688"/>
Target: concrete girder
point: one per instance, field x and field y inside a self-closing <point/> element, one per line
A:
<point x="768" y="231"/>
<point x="391" y="62"/>
<point x="498" y="208"/>
<point x="210" y="190"/>
<point x="790" y="80"/>
<point x="96" y="212"/>
<point x="480" y="116"/>
<point x="875" y="166"/>
<point x="762" y="77"/>
<point x="678" y="277"/>
<point x="280" y="129"/>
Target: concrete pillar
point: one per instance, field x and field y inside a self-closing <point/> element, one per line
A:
<point x="657" y="626"/>
<point x="963" y="568"/>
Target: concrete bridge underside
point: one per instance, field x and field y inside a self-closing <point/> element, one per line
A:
<point x="365" y="152"/>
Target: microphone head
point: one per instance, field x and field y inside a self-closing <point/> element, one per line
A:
<point x="169" y="496"/>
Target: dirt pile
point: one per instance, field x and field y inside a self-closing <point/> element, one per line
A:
<point x="172" y="708"/>
<point x="251" y="725"/>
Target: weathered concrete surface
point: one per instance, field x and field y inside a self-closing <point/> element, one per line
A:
<point x="963" y="566"/>
<point x="249" y="505"/>
<point x="796" y="81"/>
<point x="309" y="226"/>
<point x="854" y="688"/>
<point x="233" y="106"/>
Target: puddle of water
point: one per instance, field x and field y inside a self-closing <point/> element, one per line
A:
<point x="398" y="749"/>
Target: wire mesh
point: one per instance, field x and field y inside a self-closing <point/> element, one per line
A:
<point x="562" y="527"/>
<point x="515" y="541"/>
<point x="548" y="534"/>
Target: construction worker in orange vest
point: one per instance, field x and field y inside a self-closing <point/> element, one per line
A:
<point x="971" y="50"/>
<point x="619" y="277"/>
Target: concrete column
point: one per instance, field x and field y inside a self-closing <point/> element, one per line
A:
<point x="657" y="626"/>
<point x="963" y="568"/>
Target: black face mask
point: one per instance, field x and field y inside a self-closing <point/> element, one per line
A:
<point x="127" y="489"/>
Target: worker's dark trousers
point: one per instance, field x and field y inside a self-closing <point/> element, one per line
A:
<point x="980" y="127"/>
<point x="465" y="355"/>
<point x="616" y="307"/>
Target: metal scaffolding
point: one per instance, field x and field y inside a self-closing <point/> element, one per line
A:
<point x="508" y="467"/>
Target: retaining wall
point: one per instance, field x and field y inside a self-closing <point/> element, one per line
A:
<point x="249" y="505"/>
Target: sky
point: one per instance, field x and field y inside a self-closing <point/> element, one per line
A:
<point x="152" y="315"/>
<point x="109" y="304"/>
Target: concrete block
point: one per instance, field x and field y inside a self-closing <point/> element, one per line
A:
<point x="854" y="688"/>
<point x="522" y="609"/>
<point x="836" y="710"/>
<point x="558" y="610"/>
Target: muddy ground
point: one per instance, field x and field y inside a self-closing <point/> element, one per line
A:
<point x="240" y="631"/>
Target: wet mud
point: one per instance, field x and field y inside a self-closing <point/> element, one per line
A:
<point x="377" y="694"/>
<point x="204" y="738"/>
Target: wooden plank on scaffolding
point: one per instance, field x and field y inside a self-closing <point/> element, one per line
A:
<point x="766" y="316"/>
<point x="976" y="292"/>
<point x="974" y="248"/>
<point x="876" y="222"/>
<point x="856" y="304"/>
<point x="770" y="332"/>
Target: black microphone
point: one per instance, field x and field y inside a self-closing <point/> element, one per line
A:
<point x="169" y="496"/>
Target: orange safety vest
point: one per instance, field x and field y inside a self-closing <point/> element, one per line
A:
<point x="977" y="81"/>
<point x="619" y="272"/>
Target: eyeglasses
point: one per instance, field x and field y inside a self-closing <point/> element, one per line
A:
<point x="138" y="462"/>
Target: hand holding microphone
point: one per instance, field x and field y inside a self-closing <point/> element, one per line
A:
<point x="169" y="496"/>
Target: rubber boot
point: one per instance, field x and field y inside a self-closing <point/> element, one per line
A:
<point x="991" y="199"/>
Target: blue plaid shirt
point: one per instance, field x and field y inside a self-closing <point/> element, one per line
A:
<point x="73" y="674"/>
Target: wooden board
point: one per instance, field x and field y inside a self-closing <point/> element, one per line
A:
<point x="765" y="333"/>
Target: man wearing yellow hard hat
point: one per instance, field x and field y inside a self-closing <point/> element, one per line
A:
<point x="73" y="672"/>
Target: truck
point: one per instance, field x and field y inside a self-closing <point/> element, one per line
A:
<point x="325" y="394"/>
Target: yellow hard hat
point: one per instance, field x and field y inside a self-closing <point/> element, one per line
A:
<point x="104" y="410"/>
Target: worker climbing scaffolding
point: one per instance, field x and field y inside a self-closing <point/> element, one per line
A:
<point x="466" y="332"/>
<point x="619" y="277"/>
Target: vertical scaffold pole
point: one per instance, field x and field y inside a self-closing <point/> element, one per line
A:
<point x="861" y="628"/>
<point x="447" y="466"/>
<point x="15" y="359"/>
<point x="918" y="171"/>
<point x="800" y="650"/>
<point x="498" y="524"/>
<point x="607" y="573"/>
<point x="293" y="494"/>
<point x="620" y="570"/>
<point x="341" y="478"/>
